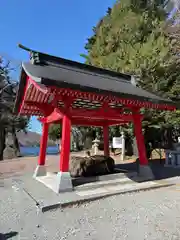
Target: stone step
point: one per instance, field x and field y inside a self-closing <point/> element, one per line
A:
<point x="83" y="180"/>
<point x="119" y="180"/>
<point x="108" y="189"/>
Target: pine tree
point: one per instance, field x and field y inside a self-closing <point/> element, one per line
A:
<point x="133" y="38"/>
<point x="8" y="121"/>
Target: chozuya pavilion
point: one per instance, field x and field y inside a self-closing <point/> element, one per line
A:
<point x="71" y="93"/>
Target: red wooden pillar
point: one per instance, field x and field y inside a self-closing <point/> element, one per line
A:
<point x="65" y="144"/>
<point x="140" y="139"/>
<point x="106" y="140"/>
<point x="43" y="144"/>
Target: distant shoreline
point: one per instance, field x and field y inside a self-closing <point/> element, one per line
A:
<point x="34" y="150"/>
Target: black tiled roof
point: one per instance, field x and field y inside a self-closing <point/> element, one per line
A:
<point x="54" y="71"/>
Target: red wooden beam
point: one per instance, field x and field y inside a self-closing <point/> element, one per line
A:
<point x="86" y="116"/>
<point x="103" y="111"/>
<point x="46" y="99"/>
<point x="85" y="122"/>
<point x="109" y="98"/>
<point x="45" y="108"/>
<point x="43" y="145"/>
<point x="65" y="144"/>
<point x="80" y="122"/>
<point x="55" y="116"/>
<point x="100" y="115"/>
<point x="38" y="93"/>
<point x="140" y="140"/>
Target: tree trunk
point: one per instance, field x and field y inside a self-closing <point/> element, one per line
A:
<point x="129" y="146"/>
<point x="2" y="142"/>
<point x="15" y="142"/>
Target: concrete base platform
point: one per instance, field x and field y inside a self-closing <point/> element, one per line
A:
<point x="60" y="182"/>
<point x="145" y="171"/>
<point x="46" y="199"/>
<point x="40" y="171"/>
<point x="63" y="182"/>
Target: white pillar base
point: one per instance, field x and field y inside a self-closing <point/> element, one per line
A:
<point x="64" y="183"/>
<point x="40" y="171"/>
<point x="146" y="172"/>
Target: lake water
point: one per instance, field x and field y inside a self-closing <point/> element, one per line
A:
<point x="34" y="151"/>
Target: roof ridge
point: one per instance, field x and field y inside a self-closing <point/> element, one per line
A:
<point x="38" y="58"/>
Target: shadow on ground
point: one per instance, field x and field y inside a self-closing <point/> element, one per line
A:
<point x="77" y="181"/>
<point x="9" y="235"/>
<point x="159" y="170"/>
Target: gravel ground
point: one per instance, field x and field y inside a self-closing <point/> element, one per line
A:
<point x="145" y="215"/>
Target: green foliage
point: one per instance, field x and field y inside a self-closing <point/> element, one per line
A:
<point x="134" y="37"/>
<point x="55" y="131"/>
<point x="8" y="121"/>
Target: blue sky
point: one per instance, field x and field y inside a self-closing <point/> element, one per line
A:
<point x="58" y="27"/>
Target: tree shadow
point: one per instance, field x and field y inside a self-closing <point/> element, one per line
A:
<point x="77" y="181"/>
<point x="162" y="172"/>
<point x="8" y="235"/>
<point x="130" y="170"/>
<point x="157" y="166"/>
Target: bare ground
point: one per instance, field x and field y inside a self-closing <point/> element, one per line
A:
<point x="18" y="166"/>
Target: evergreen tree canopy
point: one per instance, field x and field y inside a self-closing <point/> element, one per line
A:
<point x="55" y="131"/>
<point x="134" y="38"/>
<point x="8" y="121"/>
